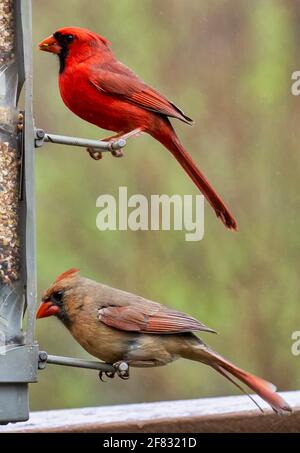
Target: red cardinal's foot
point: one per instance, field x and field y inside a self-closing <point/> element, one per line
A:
<point x="95" y="154"/>
<point x="121" y="135"/>
<point x="117" y="153"/>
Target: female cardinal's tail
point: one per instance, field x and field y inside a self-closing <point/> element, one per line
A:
<point x="167" y="136"/>
<point x="263" y="388"/>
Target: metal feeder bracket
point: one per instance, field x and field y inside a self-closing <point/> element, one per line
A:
<point x="122" y="369"/>
<point x="42" y="137"/>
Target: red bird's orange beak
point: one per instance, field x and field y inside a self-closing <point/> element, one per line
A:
<point x="46" y="309"/>
<point x="50" y="45"/>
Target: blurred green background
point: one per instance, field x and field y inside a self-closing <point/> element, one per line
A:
<point x="228" y="64"/>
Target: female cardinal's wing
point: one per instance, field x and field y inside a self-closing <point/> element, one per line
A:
<point x="118" y="80"/>
<point x="149" y="318"/>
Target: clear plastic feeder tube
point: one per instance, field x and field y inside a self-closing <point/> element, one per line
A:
<point x="11" y="297"/>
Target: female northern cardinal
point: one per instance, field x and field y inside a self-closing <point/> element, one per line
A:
<point x="115" y="326"/>
<point x="99" y="89"/>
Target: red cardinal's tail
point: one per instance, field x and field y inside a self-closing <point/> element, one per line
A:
<point x="264" y="389"/>
<point x="167" y="136"/>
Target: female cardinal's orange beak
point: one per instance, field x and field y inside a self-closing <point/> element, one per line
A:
<point x="50" y="45"/>
<point x="46" y="309"/>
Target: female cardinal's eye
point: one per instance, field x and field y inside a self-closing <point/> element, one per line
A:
<point x="69" y="38"/>
<point x="57" y="298"/>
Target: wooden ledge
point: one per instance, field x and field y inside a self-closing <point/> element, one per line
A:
<point x="226" y="414"/>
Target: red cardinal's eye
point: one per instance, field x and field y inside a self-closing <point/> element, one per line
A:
<point x="69" y="38"/>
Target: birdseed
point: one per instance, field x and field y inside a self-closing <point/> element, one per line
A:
<point x="9" y="210"/>
<point x="6" y="31"/>
<point x="9" y="157"/>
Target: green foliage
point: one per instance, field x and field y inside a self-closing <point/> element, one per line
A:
<point x="228" y="64"/>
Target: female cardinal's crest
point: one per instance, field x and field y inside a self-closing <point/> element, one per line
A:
<point x="67" y="274"/>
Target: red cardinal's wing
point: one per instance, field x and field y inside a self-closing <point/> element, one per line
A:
<point x="118" y="80"/>
<point x="149" y="318"/>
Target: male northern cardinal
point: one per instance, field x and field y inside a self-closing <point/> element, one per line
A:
<point x="115" y="326"/>
<point x="101" y="90"/>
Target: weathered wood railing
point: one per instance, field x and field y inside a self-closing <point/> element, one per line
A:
<point x="234" y="414"/>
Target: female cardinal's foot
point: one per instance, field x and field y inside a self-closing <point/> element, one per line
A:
<point x="122" y="369"/>
<point x="109" y="374"/>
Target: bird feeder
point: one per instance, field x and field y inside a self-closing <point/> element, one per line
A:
<point x="20" y="358"/>
<point x="18" y="351"/>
